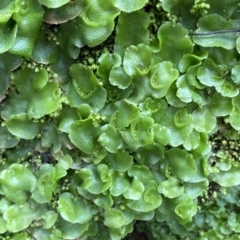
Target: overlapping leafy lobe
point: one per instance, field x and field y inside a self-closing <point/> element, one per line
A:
<point x="180" y="124"/>
<point x="19" y="217"/>
<point x="28" y="19"/>
<point x="83" y="134"/>
<point x="8" y="36"/>
<point x="172" y="38"/>
<point x="8" y="63"/>
<point x="17" y="183"/>
<point x="42" y="96"/>
<point x="180" y="164"/>
<point x="162" y="75"/>
<point x="95" y="180"/>
<point x="46" y="184"/>
<point x="171" y="188"/>
<point x="125" y="6"/>
<point x="204" y="121"/>
<point x="7" y="140"/>
<point x="64" y="13"/>
<point x="126" y="32"/>
<point x="137" y="59"/>
<point x="54" y="3"/>
<point x="214" y="22"/>
<point x="85" y="88"/>
<point x="89" y="28"/>
<point x="73" y="210"/>
<point x="20" y="126"/>
<point x="150" y="200"/>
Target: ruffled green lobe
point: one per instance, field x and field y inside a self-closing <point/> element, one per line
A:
<point x="228" y="178"/>
<point x="83" y="134"/>
<point x="64" y="13"/>
<point x="140" y="133"/>
<point x="46" y="184"/>
<point x="8" y="33"/>
<point x="181" y="164"/>
<point x="235" y="74"/>
<point x="67" y="117"/>
<point x="223" y="109"/>
<point x="118" y="77"/>
<point x="120" y="183"/>
<point x="53" y="3"/>
<point x="128" y="25"/>
<point x="189" y="60"/>
<point x="171" y="188"/>
<point x="7" y="9"/>
<point x="20" y="126"/>
<point x="8" y="62"/>
<point x="124" y="115"/>
<point x="137" y="60"/>
<point x="179" y="123"/>
<point x="92" y="27"/>
<point x="235" y="113"/>
<point x="114" y="218"/>
<point x="126" y="6"/>
<point x="29" y="19"/>
<point x="108" y="61"/>
<point x="17" y="183"/>
<point x="135" y="190"/>
<point x="172" y="39"/>
<point x="150" y="200"/>
<point x="162" y="75"/>
<point x="84" y="80"/>
<point x="85" y="87"/>
<point x="120" y="161"/>
<point x="210" y="74"/>
<point x="215" y="22"/>
<point x="95" y="179"/>
<point x="7" y="140"/>
<point x="19" y="217"/>
<point x="182" y="208"/>
<point x="49" y="219"/>
<point x="104" y="201"/>
<point x="74" y="210"/>
<point x="43" y="96"/>
<point x="204" y="121"/>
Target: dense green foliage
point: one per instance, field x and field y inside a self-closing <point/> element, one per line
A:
<point x="118" y="114"/>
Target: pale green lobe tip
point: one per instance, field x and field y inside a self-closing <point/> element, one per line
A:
<point x="128" y="25"/>
<point x="120" y="161"/>
<point x="49" y="219"/>
<point x="7" y="36"/>
<point x="135" y="190"/>
<point x="172" y="38"/>
<point x="137" y="60"/>
<point x="119" y="78"/>
<point x="73" y="210"/>
<point x="23" y="128"/>
<point x="17" y="182"/>
<point x="181" y="164"/>
<point x="204" y="121"/>
<point x="129" y="7"/>
<point x="19" y="217"/>
<point x="83" y="135"/>
<point x="228" y="178"/>
<point x="171" y="188"/>
<point x="114" y="218"/>
<point x="162" y="76"/>
<point x="53" y="3"/>
<point x="235" y="74"/>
